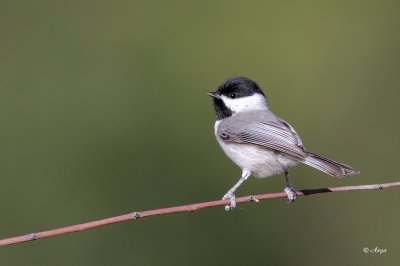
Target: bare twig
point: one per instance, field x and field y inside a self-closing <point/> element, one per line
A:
<point x="183" y="208"/>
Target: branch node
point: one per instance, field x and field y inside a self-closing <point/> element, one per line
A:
<point x="32" y="236"/>
<point x="136" y="215"/>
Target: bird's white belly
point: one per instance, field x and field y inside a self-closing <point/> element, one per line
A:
<point x="262" y="162"/>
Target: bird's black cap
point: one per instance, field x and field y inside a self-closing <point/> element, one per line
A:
<point x="234" y="87"/>
<point x="240" y="86"/>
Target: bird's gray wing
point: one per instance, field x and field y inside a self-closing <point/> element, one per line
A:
<point x="294" y="133"/>
<point x="277" y="135"/>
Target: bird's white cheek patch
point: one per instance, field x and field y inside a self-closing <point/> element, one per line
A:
<point x="253" y="102"/>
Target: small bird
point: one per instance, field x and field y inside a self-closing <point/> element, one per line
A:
<point x="258" y="141"/>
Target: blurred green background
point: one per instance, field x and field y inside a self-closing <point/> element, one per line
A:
<point x="103" y="111"/>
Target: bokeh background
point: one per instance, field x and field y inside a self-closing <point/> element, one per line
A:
<point x="103" y="112"/>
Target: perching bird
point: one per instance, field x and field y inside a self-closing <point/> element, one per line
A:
<point x="258" y="141"/>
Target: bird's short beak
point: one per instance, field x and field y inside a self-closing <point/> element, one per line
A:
<point x="214" y="95"/>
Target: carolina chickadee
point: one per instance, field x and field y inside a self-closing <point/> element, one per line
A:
<point x="259" y="142"/>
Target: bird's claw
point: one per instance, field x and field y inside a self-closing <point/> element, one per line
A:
<point x="231" y="197"/>
<point x="254" y="199"/>
<point x="291" y="194"/>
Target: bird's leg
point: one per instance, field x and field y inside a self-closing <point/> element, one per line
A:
<point x="231" y="193"/>
<point x="289" y="190"/>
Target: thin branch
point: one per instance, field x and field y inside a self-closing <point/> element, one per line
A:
<point x="183" y="208"/>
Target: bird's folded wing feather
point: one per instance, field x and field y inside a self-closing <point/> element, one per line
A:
<point x="276" y="135"/>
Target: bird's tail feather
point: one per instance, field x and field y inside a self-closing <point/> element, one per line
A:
<point x="329" y="166"/>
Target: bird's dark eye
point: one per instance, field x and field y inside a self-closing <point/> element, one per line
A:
<point x="232" y="95"/>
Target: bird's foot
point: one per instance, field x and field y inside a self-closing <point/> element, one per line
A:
<point x="291" y="194"/>
<point x="231" y="197"/>
<point x="254" y="199"/>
